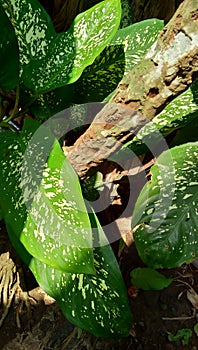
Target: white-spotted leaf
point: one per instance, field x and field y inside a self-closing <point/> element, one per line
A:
<point x="137" y="39"/>
<point x="97" y="303"/>
<point x="102" y="77"/>
<point x="165" y="214"/>
<point x="53" y="225"/>
<point x="33" y="28"/>
<point x="177" y="114"/>
<point x="67" y="55"/>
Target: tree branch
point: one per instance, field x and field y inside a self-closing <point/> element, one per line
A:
<point x="167" y="70"/>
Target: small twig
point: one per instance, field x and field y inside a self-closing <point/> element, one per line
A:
<point x="184" y="318"/>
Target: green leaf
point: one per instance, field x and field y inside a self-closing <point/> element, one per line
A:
<point x="57" y="230"/>
<point x="137" y="39"/>
<point x="127" y="14"/>
<point x="52" y="102"/>
<point x="196" y="329"/>
<point x="9" y="57"/>
<point x="97" y="303"/>
<point x="177" y="114"/>
<point x="185" y="334"/>
<point x="186" y="134"/>
<point x="102" y="77"/>
<point x="56" y="212"/>
<point x="33" y="28"/>
<point x="69" y="53"/>
<point x="149" y="279"/>
<point x="166" y="210"/>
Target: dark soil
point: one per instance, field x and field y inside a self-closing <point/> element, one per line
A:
<point x="155" y="313"/>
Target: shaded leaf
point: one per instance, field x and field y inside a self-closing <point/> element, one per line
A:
<point x="196" y="329"/>
<point x="52" y="102"/>
<point x="97" y="303"/>
<point x="149" y="279"/>
<point x="9" y="58"/>
<point x="102" y="77"/>
<point x="185" y="334"/>
<point x="166" y="210"/>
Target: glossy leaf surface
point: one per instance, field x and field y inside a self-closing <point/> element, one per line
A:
<point x="51" y="218"/>
<point x="33" y="28"/>
<point x="97" y="303"/>
<point x="166" y="210"/>
<point x="69" y="53"/>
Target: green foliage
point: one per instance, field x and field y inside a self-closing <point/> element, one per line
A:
<point x="86" y="282"/>
<point x="9" y="60"/>
<point x="185" y="334"/>
<point x="179" y="113"/>
<point x="149" y="279"/>
<point x="195" y="328"/>
<point x="41" y="200"/>
<point x="166" y="210"/>
<point x="51" y="60"/>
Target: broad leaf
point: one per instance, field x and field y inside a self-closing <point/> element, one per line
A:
<point x="97" y="303"/>
<point x="165" y="214"/>
<point x="57" y="230"/>
<point x="102" y="77"/>
<point x="137" y="39"/>
<point x="69" y="53"/>
<point x="177" y="114"/>
<point x="33" y="27"/>
<point x="9" y="58"/>
<point x="149" y="279"/>
<point x="14" y="202"/>
<point x="52" y="102"/>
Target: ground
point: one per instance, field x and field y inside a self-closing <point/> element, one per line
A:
<point x="155" y="313"/>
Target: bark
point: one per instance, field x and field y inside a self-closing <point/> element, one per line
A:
<point x="167" y="70"/>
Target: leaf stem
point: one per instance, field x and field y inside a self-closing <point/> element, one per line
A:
<point x="13" y="114"/>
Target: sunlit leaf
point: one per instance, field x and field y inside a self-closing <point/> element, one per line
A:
<point x="50" y="226"/>
<point x="69" y="53"/>
<point x="177" y="114"/>
<point x="166" y="210"/>
<point x="33" y="28"/>
<point x="137" y="39"/>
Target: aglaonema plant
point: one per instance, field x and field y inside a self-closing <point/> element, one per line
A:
<point x="46" y="217"/>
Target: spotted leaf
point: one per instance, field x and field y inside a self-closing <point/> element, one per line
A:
<point x="33" y="28"/>
<point x="9" y="58"/>
<point x="137" y="39"/>
<point x="102" y="77"/>
<point x="182" y="111"/>
<point x="69" y="53"/>
<point x="165" y="214"/>
<point x="97" y="303"/>
<point x="53" y="225"/>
